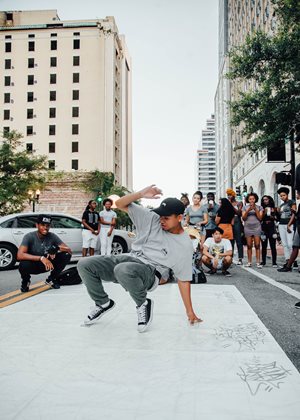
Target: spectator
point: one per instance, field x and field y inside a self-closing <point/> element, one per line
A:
<point x="42" y="251"/>
<point x="211" y="208"/>
<point x="161" y="243"/>
<point x="91" y="228"/>
<point x="252" y="216"/>
<point x="286" y="219"/>
<point x="186" y="202"/>
<point x="217" y="253"/>
<point x="225" y="218"/>
<point x="196" y="215"/>
<point x="108" y="221"/>
<point x="238" y="230"/>
<point x="268" y="229"/>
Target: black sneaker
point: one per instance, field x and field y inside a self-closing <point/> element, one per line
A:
<point x="97" y="313"/>
<point x="50" y="283"/>
<point x="295" y="266"/>
<point x="144" y="313"/>
<point x="25" y="286"/>
<point x="55" y="286"/>
<point x="284" y="269"/>
<point x="211" y="272"/>
<point x="226" y="273"/>
<point x="297" y="305"/>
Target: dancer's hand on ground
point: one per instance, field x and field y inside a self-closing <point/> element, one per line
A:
<point x="151" y="192"/>
<point x="193" y="319"/>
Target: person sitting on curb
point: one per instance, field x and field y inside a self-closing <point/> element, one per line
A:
<point x="217" y="253"/>
<point x="161" y="244"/>
<point x="42" y="251"/>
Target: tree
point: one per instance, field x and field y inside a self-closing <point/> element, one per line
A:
<point x="20" y="171"/>
<point x="272" y="62"/>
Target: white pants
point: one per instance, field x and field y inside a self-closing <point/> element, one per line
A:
<point x="286" y="240"/>
<point x="89" y="240"/>
<point x="105" y="241"/>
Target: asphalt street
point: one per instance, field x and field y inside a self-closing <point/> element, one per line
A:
<point x="274" y="306"/>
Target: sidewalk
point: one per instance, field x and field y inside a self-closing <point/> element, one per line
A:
<point x="227" y="368"/>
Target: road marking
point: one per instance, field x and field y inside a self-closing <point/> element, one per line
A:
<point x="18" y="296"/>
<point x="275" y="283"/>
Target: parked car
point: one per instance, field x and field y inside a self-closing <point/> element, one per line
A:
<point x="14" y="226"/>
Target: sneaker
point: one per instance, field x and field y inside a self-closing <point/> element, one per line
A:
<point x="55" y="286"/>
<point x="259" y="265"/>
<point x="274" y="265"/>
<point x="226" y="273"/>
<point x="155" y="284"/>
<point x="240" y="262"/>
<point x="144" y="313"/>
<point x="50" y="283"/>
<point x="25" y="286"/>
<point x="248" y="265"/>
<point x="297" y="305"/>
<point x="295" y="266"/>
<point x="211" y="272"/>
<point x="284" y="269"/>
<point x="97" y="313"/>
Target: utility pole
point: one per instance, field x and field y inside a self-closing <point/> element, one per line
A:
<point x="293" y="162"/>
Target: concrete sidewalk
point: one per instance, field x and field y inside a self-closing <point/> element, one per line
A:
<point x="227" y="368"/>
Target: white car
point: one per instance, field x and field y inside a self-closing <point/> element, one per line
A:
<point x="69" y="229"/>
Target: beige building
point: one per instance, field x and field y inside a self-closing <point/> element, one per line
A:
<point x="66" y="85"/>
<point x="237" y="167"/>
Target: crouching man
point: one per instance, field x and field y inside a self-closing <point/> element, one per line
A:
<point x="217" y="253"/>
<point x="42" y="251"/>
<point x="161" y="244"/>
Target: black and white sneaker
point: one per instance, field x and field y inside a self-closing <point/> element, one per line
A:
<point x="97" y="313"/>
<point x="52" y="284"/>
<point x="226" y="273"/>
<point x="25" y="286"/>
<point x="144" y="313"/>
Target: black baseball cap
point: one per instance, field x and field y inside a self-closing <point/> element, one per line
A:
<point x="44" y="218"/>
<point x="170" y="206"/>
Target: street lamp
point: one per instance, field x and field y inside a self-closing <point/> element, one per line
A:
<point x="33" y="197"/>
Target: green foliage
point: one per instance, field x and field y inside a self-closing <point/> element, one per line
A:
<point x="270" y="66"/>
<point x="20" y="171"/>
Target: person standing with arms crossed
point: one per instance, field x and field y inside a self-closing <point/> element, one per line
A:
<point x="108" y="222"/>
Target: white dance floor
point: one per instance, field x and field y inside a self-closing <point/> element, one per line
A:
<point x="227" y="368"/>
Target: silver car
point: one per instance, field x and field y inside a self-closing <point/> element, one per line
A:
<point x="69" y="228"/>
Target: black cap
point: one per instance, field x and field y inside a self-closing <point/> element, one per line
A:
<point x="44" y="218"/>
<point x="170" y="206"/>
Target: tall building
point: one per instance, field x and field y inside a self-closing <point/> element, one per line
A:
<point x="237" y="19"/>
<point x="206" y="159"/>
<point x="66" y="85"/>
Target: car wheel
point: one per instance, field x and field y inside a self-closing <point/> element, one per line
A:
<point x="118" y="246"/>
<point x="8" y="256"/>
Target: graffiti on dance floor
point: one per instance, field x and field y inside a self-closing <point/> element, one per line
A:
<point x="245" y="336"/>
<point x="266" y="376"/>
<point x="227" y="295"/>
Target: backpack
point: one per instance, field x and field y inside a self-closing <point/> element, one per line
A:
<point x="199" y="276"/>
<point x="69" y="277"/>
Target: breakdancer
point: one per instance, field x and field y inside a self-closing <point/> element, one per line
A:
<point x="161" y="244"/>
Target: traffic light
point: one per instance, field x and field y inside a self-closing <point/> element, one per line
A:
<point x="238" y="190"/>
<point x="244" y="190"/>
<point x="99" y="199"/>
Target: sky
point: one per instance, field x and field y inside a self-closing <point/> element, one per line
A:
<point x="174" y="51"/>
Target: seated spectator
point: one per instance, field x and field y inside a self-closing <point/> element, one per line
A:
<point x="217" y="253"/>
<point x="42" y="251"/>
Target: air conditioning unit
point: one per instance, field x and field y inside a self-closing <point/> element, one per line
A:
<point x="35" y="81"/>
<point x="11" y="118"/>
<point x="34" y="133"/>
<point x="12" y="67"/>
<point x="34" y="99"/>
<point x="12" y="84"/>
<point x="34" y="116"/>
<point x="11" y="101"/>
<point x="35" y="65"/>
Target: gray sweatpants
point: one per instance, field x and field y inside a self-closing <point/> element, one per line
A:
<point x="135" y="276"/>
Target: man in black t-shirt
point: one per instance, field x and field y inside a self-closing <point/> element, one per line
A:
<point x="42" y="251"/>
<point x="91" y="228"/>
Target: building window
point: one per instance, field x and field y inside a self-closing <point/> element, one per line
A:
<point x="52" y="112"/>
<point x="76" y="33"/>
<point x="6" y="98"/>
<point x="53" y="35"/>
<point x="31" y="46"/>
<point x="51" y="164"/>
<point x="6" y="114"/>
<point x="7" y="46"/>
<point x="7" y="65"/>
<point x="75" y="128"/>
<point x="52" y="79"/>
<point x="29" y="130"/>
<point x="5" y="131"/>
<point x="52" y="129"/>
<point x="31" y="36"/>
<point x="53" y="61"/>
<point x="75" y="147"/>
<point x="30" y="113"/>
<point x="75" y="164"/>
<point x="75" y="77"/>
<point x="75" y="95"/>
<point x="76" y="44"/>
<point x="29" y="96"/>
<point x="7" y="81"/>
<point x="51" y="147"/>
<point x="75" y="111"/>
<point x="53" y="45"/>
<point x="52" y="95"/>
<point x="8" y="36"/>
<point x="76" y="60"/>
<point x="29" y="147"/>
<point x="30" y="63"/>
<point x="30" y="79"/>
